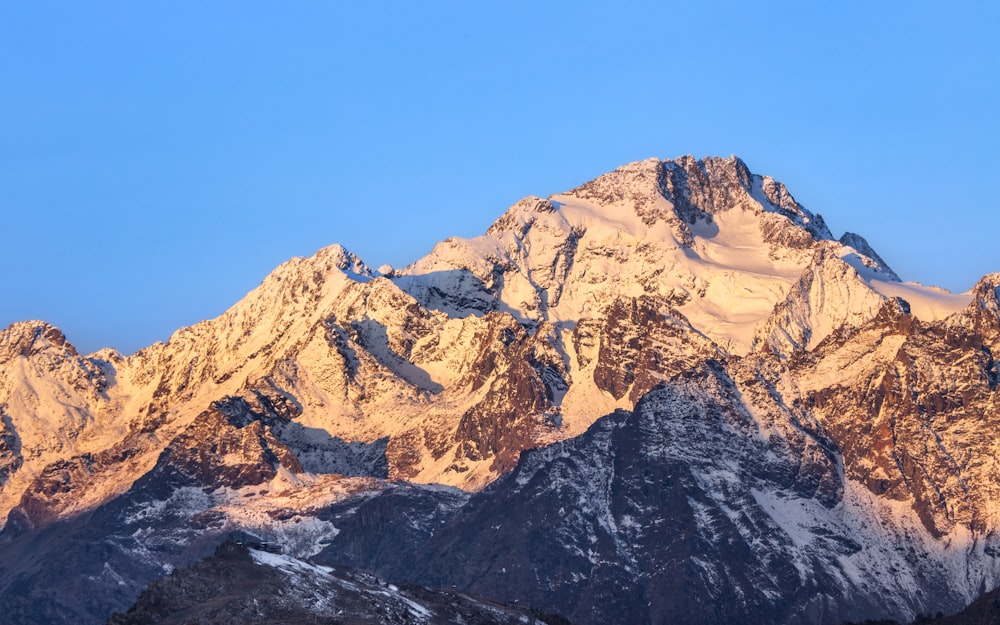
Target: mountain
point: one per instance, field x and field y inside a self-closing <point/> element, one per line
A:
<point x="667" y="395"/>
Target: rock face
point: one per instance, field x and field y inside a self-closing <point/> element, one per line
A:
<point x="666" y="507"/>
<point x="712" y="502"/>
<point x="912" y="420"/>
<point x="667" y="395"/>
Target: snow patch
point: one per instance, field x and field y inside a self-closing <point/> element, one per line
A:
<point x="927" y="303"/>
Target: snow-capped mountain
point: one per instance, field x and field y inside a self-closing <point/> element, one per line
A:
<point x="672" y="380"/>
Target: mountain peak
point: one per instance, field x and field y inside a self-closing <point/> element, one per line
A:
<point x="26" y="338"/>
<point x="879" y="266"/>
<point x="725" y="244"/>
<point x="344" y="259"/>
<point x="686" y="189"/>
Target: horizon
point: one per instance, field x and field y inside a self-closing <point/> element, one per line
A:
<point x="159" y="162"/>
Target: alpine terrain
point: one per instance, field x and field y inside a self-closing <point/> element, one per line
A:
<point x="669" y="395"/>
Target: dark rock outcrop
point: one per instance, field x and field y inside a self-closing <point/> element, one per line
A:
<point x="239" y="583"/>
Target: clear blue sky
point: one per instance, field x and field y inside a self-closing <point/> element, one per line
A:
<point x="158" y="159"/>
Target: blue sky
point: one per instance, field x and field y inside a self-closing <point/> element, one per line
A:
<point x="157" y="160"/>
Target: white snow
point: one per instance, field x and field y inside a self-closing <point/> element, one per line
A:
<point x="927" y="303"/>
<point x="288" y="563"/>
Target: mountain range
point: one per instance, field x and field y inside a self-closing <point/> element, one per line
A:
<point x="669" y="395"/>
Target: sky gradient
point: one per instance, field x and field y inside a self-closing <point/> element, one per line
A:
<point x="157" y="160"/>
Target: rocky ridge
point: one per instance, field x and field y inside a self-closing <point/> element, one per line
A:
<point x="248" y="582"/>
